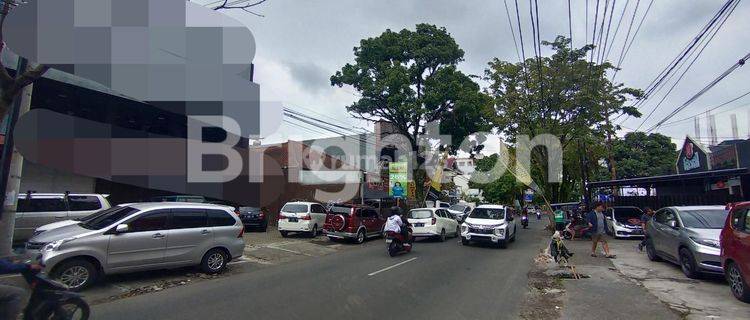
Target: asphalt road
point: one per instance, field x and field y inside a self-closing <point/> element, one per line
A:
<point x="435" y="281"/>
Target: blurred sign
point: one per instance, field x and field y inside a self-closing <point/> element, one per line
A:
<point x="397" y="179"/>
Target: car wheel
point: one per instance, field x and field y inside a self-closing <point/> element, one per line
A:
<point x="465" y="241"/>
<point x="314" y="231"/>
<point x="393" y="249"/>
<point x="284" y="233"/>
<point x="687" y="264"/>
<point x="502" y="244"/>
<point x="360" y="236"/>
<point x="737" y="283"/>
<point x="77" y="274"/>
<point x="214" y="261"/>
<point x="651" y="251"/>
<point x="441" y="238"/>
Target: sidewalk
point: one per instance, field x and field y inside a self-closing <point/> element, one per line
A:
<point x="607" y="294"/>
<point x="706" y="298"/>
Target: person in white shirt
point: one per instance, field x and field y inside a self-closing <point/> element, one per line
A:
<point x="394" y="223"/>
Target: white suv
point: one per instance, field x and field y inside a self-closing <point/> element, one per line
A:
<point x="307" y="217"/>
<point x="489" y="223"/>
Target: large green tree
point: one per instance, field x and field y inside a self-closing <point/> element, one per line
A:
<point x="410" y="78"/>
<point x="564" y="95"/>
<point x="640" y="155"/>
<point x="502" y="190"/>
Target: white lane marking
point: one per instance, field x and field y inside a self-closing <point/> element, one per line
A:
<point x="391" y="267"/>
<point x="10" y="276"/>
<point x="290" y="251"/>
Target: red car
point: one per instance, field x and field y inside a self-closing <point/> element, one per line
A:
<point x="735" y="250"/>
<point x="355" y="222"/>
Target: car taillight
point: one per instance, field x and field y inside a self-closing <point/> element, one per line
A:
<point x="242" y="232"/>
<point x="281" y="216"/>
<point x="434" y="220"/>
<point x="306" y="217"/>
<point x="262" y="215"/>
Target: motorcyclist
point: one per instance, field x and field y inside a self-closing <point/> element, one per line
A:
<point x="394" y="222"/>
<point x="11" y="298"/>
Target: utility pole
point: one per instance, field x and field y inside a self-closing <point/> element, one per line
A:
<point x="12" y="164"/>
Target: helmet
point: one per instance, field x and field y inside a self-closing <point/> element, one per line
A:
<point x="395" y="211"/>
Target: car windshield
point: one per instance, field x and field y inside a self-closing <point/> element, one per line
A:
<point x="340" y="210"/>
<point x="457" y="207"/>
<point x="420" y="214"/>
<point x="249" y="209"/>
<point x="704" y="219"/>
<point x="108" y="217"/>
<point x="294" y="208"/>
<point x="92" y="216"/>
<point x="488" y="213"/>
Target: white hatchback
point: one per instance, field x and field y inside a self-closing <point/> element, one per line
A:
<point x="433" y="223"/>
<point x="489" y="223"/>
<point x="307" y="217"/>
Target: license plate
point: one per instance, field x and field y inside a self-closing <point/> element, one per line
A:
<point x="419" y="224"/>
<point x="388" y="240"/>
<point x="292" y="219"/>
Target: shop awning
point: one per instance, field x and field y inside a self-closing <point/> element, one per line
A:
<point x="646" y="181"/>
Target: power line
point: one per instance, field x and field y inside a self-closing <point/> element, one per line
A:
<point x="710" y="109"/>
<point x="617" y="30"/>
<point x="625" y="44"/>
<point x="603" y="49"/>
<point x="688" y="53"/>
<point x="601" y="31"/>
<point x="713" y="83"/>
<point x="513" y="32"/>
<point x="570" y="25"/>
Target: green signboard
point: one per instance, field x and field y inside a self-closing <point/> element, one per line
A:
<point x="397" y="179"/>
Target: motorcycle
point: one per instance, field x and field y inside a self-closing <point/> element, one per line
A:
<point x="396" y="243"/>
<point x="525" y="221"/>
<point x="576" y="231"/>
<point x="52" y="300"/>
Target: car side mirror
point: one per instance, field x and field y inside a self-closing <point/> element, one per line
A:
<point x="672" y="224"/>
<point x="121" y="228"/>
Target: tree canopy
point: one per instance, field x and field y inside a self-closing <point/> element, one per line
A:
<point x="639" y="155"/>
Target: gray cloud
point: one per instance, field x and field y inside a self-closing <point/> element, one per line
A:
<point x="310" y="76"/>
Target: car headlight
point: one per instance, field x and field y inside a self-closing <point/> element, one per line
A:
<point x="500" y="231"/>
<point x="464" y="228"/>
<point x="54" y="246"/>
<point x="707" y="242"/>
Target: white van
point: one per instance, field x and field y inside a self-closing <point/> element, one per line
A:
<point x="307" y="217"/>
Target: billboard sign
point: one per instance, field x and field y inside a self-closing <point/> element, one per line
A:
<point x="398" y="180"/>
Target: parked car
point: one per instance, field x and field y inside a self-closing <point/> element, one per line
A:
<point x="433" y="223"/>
<point x="624" y="222"/>
<point x="460" y="210"/>
<point x="253" y="217"/>
<point x="687" y="236"/>
<point x="735" y="250"/>
<point x="307" y="217"/>
<point x="38" y="209"/>
<point x="353" y="222"/>
<point x="142" y="236"/>
<point x="489" y="223"/>
<point x="180" y="198"/>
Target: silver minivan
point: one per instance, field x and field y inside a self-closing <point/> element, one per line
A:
<point x="37" y="209"/>
<point x="142" y="236"/>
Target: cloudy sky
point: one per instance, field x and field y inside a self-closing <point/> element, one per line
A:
<point x="302" y="43"/>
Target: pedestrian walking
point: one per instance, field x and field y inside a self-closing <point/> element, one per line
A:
<point x="645" y="218"/>
<point x="598" y="227"/>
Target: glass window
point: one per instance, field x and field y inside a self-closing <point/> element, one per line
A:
<point x="739" y="219"/>
<point x="488" y="213"/>
<point x="294" y="208"/>
<point x="219" y="218"/>
<point x="107" y="217"/>
<point x="316" y="208"/>
<point x="83" y="203"/>
<point x="152" y="221"/>
<point x="747" y="220"/>
<point x="420" y="214"/>
<point x="664" y="216"/>
<point x="458" y="207"/>
<point x="40" y="204"/>
<point x="188" y="218"/>
<point x="341" y="210"/>
<point x="704" y="219"/>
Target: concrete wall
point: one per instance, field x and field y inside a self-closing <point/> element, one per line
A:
<point x="44" y="179"/>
